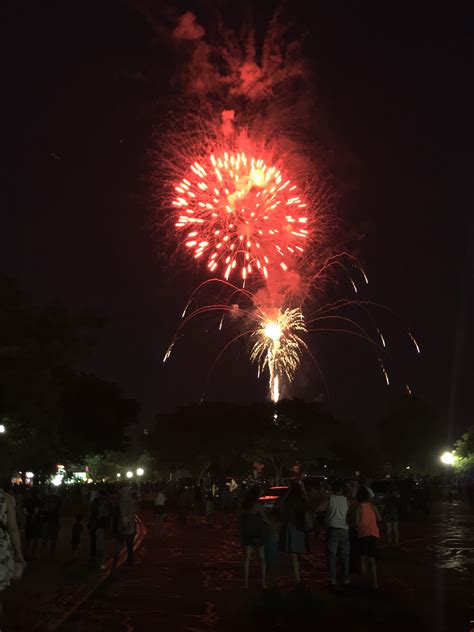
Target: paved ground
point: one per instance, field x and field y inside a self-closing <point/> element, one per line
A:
<point x="190" y="580"/>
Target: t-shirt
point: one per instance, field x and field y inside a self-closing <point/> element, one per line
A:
<point x="336" y="513"/>
<point x="367" y="523"/>
<point x="160" y="500"/>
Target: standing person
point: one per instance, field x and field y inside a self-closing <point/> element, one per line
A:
<point x="209" y="504"/>
<point x="77" y="529"/>
<point x="10" y="542"/>
<point x="226" y="503"/>
<point x="368" y="534"/>
<point x="124" y="525"/>
<point x="50" y="523"/>
<point x="391" y="514"/>
<point x="185" y="501"/>
<point x="33" y="525"/>
<point x="99" y="525"/>
<point x="293" y="537"/>
<point x="337" y="533"/>
<point x="252" y="529"/>
<point x="159" y="509"/>
<point x="197" y="504"/>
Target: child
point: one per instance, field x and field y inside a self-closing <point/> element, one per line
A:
<point x="76" y="535"/>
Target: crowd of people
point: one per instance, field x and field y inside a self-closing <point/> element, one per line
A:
<point x="31" y="522"/>
<point x="351" y="520"/>
<point x="347" y="511"/>
<point x="31" y="519"/>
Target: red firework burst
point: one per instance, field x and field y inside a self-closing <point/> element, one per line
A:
<point x="242" y="215"/>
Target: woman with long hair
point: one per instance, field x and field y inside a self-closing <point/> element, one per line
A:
<point x="293" y="537"/>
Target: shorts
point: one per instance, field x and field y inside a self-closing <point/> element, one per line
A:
<point x="159" y="510"/>
<point x="254" y="541"/>
<point x="368" y="546"/>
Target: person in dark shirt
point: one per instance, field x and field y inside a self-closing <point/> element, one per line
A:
<point x="391" y="514"/>
<point x="50" y="519"/>
<point x="77" y="529"/>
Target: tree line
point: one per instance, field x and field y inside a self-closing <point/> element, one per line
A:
<point x="54" y="411"/>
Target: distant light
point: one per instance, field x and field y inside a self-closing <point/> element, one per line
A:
<point x="447" y="458"/>
<point x="408" y="467"/>
<point x="2" y="429"/>
<point x="119" y="475"/>
<point x="29" y="475"/>
<point x="140" y="471"/>
<point x="57" y="480"/>
<point x="60" y="467"/>
<point x="129" y="474"/>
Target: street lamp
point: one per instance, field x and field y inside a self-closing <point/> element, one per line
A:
<point x="129" y="474"/>
<point x="119" y="475"/>
<point x="2" y="429"/>
<point x="140" y="471"/>
<point x="447" y="458"/>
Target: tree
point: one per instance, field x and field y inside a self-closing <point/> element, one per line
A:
<point x="224" y="438"/>
<point x="42" y="396"/>
<point x="94" y="415"/>
<point x="464" y="448"/>
<point x="201" y="437"/>
<point x="290" y="431"/>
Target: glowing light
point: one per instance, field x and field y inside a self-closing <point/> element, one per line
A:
<point x="129" y="474"/>
<point x="273" y="330"/>
<point x="2" y="429"/>
<point x="279" y="347"/>
<point x="247" y="221"/>
<point x="119" y="475"/>
<point x="140" y="471"/>
<point x="29" y="475"/>
<point x="57" y="480"/>
<point x="447" y="458"/>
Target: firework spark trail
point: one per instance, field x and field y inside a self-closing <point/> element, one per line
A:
<point x="343" y="302"/>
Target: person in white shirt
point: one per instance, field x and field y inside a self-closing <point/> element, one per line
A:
<point x="337" y="533"/>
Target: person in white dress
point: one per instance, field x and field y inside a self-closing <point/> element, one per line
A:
<point x="10" y="541"/>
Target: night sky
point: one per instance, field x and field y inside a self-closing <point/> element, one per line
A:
<point x="84" y="85"/>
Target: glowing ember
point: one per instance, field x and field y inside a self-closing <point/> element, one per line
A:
<point x="241" y="215"/>
<point x="279" y="347"/>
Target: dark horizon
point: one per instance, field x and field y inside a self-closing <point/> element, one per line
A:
<point x="80" y="115"/>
